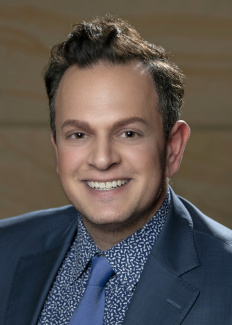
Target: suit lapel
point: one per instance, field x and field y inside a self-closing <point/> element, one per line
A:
<point x="162" y="296"/>
<point x="33" y="278"/>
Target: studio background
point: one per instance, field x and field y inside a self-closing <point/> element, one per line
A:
<point x="198" y="34"/>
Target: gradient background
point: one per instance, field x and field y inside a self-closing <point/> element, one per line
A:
<point x="198" y="34"/>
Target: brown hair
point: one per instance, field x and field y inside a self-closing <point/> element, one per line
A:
<point x="112" y="40"/>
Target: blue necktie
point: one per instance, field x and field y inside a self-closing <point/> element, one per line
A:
<point x="90" y="310"/>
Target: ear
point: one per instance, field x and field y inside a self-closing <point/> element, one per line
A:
<point x="177" y="141"/>
<point x="55" y="149"/>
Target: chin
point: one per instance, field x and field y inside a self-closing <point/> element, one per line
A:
<point x="103" y="219"/>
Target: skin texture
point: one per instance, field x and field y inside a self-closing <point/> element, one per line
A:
<point x="109" y="128"/>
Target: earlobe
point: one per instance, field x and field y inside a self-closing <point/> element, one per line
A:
<point x="177" y="141"/>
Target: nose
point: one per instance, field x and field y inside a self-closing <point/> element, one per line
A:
<point x="103" y="154"/>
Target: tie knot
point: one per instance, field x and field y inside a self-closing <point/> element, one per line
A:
<point x="101" y="271"/>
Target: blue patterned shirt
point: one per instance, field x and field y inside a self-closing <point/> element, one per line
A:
<point x="127" y="259"/>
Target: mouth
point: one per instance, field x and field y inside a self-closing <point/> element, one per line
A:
<point x="106" y="186"/>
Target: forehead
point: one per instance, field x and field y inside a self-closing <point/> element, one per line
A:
<point x="106" y="93"/>
<point x="101" y="79"/>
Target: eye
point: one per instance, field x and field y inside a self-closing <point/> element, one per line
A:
<point x="129" y="134"/>
<point x="79" y="135"/>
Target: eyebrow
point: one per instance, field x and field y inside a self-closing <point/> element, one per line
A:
<point x="117" y="124"/>
<point x="129" y="120"/>
<point x="77" y="124"/>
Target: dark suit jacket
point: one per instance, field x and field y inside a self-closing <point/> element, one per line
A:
<point x="186" y="280"/>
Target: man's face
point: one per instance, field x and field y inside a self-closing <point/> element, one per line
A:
<point x="110" y="144"/>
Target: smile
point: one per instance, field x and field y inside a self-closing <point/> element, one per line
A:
<point x="107" y="185"/>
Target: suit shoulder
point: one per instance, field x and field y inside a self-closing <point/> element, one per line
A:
<point x="206" y="226"/>
<point x="41" y="218"/>
<point x="31" y="232"/>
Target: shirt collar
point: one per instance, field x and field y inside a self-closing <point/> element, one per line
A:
<point x="83" y="249"/>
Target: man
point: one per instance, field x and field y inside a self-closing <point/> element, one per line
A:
<point x="115" y="105"/>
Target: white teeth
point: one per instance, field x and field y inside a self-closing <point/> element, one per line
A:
<point x="114" y="184"/>
<point x="119" y="183"/>
<point x="91" y="184"/>
<point x="107" y="185"/>
<point x="102" y="185"/>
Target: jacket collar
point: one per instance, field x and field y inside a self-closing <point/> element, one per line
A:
<point x="175" y="247"/>
<point x="162" y="296"/>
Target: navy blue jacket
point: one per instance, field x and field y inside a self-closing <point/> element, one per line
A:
<point x="186" y="280"/>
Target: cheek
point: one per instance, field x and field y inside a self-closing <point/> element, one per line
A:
<point x="145" y="158"/>
<point x="68" y="160"/>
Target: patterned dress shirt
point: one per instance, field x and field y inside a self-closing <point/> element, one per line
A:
<point x="127" y="259"/>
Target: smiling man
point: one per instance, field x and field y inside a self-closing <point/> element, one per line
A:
<point x="111" y="150"/>
<point x="115" y="105"/>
